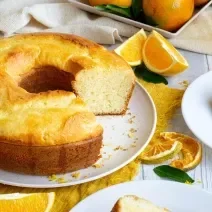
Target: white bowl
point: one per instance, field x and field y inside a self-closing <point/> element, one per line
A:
<point x="197" y="108"/>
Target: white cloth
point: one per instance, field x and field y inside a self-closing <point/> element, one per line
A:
<point x="24" y="16"/>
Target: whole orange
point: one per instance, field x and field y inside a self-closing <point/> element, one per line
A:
<point x="200" y="2"/>
<point x="168" y="14"/>
<point x="123" y="3"/>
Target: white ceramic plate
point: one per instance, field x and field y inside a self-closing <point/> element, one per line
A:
<point x="121" y="145"/>
<point x="197" y="108"/>
<point x="84" y="5"/>
<point x="176" y="197"/>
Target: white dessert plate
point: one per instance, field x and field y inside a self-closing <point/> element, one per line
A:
<point x="84" y="5"/>
<point x="176" y="197"/>
<point x="197" y="108"/>
<point x="124" y="139"/>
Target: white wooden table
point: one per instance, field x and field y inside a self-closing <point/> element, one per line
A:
<point x="199" y="64"/>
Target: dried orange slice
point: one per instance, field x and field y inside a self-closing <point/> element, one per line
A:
<point x="191" y="151"/>
<point x="161" y="151"/>
<point x="161" y="57"/>
<point x="131" y="49"/>
<point x="34" y="202"/>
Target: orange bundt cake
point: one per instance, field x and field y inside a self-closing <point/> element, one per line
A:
<point x="52" y="86"/>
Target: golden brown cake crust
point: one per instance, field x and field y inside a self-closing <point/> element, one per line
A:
<point x="47" y="160"/>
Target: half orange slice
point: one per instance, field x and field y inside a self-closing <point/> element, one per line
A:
<point x="161" y="57"/>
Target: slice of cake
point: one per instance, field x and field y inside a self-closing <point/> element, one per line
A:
<point x="131" y="203"/>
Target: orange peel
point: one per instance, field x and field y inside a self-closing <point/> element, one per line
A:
<point x="191" y="150"/>
<point x="159" y="152"/>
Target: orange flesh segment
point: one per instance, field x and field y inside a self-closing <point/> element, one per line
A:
<point x="27" y="203"/>
<point x="159" y="57"/>
<point x="171" y="48"/>
<point x="131" y="52"/>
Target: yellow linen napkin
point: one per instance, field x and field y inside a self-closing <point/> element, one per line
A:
<point x="167" y="100"/>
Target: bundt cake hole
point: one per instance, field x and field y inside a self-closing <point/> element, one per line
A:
<point x="46" y="78"/>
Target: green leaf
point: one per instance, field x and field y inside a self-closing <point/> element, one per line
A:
<point x="101" y="7"/>
<point x="143" y="72"/>
<point x="125" y="11"/>
<point x="136" y="8"/>
<point x="173" y="174"/>
<point x="121" y="11"/>
<point x="113" y="5"/>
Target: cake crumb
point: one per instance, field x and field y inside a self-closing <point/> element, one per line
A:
<point x="199" y="181"/>
<point x="130" y="135"/>
<point x="61" y="180"/>
<point x="75" y="175"/>
<point x="52" y="177"/>
<point x="184" y="83"/>
<point x="117" y="148"/>
<point x="97" y="166"/>
<point x="108" y="145"/>
<point x="123" y="149"/>
<point x="120" y="148"/>
<point x="132" y="130"/>
<point x="133" y="145"/>
<point x="85" y="177"/>
<point x="109" y="156"/>
<point x="131" y="121"/>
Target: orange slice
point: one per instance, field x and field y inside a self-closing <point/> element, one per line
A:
<point x="161" y="57"/>
<point x="131" y="49"/>
<point x="161" y="151"/>
<point x="34" y="202"/>
<point x="191" y="151"/>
